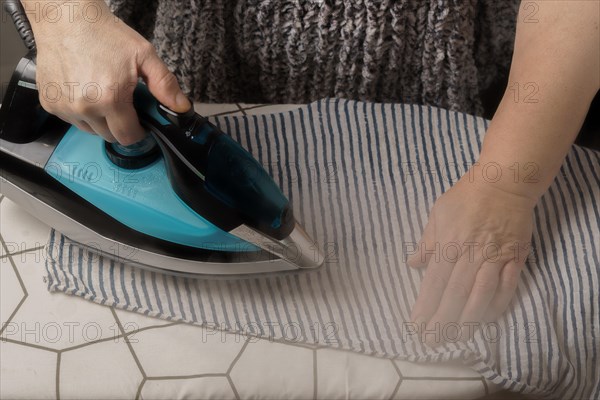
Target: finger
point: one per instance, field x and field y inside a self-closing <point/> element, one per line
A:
<point x="484" y="289"/>
<point x="425" y="248"/>
<point x="100" y="126"/>
<point x="507" y="286"/>
<point x="125" y="127"/>
<point x="84" y="126"/>
<point x="521" y="251"/>
<point x="432" y="288"/>
<point x="162" y="83"/>
<point x="81" y="125"/>
<point x="454" y="299"/>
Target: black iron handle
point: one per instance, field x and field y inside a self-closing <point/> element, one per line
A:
<point x="15" y="9"/>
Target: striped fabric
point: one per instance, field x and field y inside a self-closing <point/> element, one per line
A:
<point x="362" y="178"/>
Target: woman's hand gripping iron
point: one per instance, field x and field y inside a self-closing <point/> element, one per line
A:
<point x="192" y="200"/>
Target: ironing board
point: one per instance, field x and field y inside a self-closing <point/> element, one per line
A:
<point x="54" y="345"/>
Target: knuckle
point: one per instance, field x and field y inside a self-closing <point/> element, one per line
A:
<point x="486" y="284"/>
<point x="146" y="48"/>
<point x="82" y="107"/>
<point x="104" y="103"/>
<point x="167" y="79"/>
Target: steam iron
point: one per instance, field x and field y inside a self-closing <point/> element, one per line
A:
<point x="187" y="200"/>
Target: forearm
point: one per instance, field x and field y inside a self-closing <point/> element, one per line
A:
<point x="554" y="76"/>
<point x="42" y="13"/>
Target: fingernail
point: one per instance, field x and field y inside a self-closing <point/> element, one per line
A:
<point x="182" y="101"/>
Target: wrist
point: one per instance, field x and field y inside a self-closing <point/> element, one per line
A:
<point x="519" y="167"/>
<point x="516" y="182"/>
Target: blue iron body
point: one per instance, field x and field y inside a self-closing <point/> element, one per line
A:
<point x="142" y="199"/>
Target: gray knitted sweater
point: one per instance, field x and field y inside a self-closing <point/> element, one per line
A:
<point x="438" y="52"/>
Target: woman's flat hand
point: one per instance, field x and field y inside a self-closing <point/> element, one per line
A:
<point x="474" y="248"/>
<point x="87" y="71"/>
